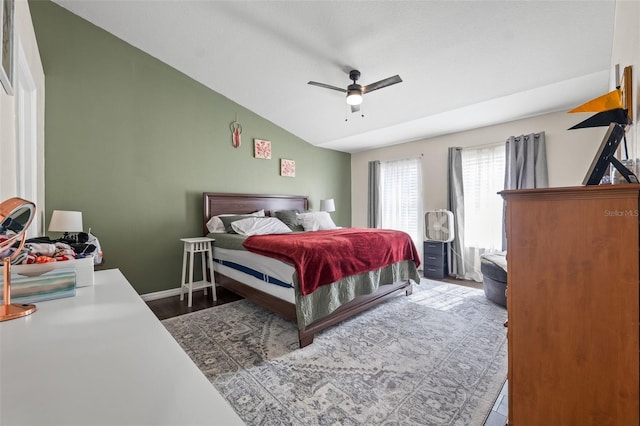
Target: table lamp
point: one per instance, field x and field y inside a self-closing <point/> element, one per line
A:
<point x="66" y="221"/>
<point x="16" y="215"/>
<point x="327" y="205"/>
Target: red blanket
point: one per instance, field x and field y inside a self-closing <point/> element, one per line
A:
<point x="323" y="257"/>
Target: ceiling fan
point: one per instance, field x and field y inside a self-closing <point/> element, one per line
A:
<point x="355" y="91"/>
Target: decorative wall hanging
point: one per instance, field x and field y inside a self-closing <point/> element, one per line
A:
<point x="287" y="168"/>
<point x="604" y="118"/>
<point x="262" y="149"/>
<point x="613" y="107"/>
<point x="6" y="44"/>
<point x="611" y="100"/>
<point x="236" y="130"/>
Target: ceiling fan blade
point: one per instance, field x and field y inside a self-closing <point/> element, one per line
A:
<point x="382" y="83"/>
<point x="327" y="86"/>
<point x="355" y="108"/>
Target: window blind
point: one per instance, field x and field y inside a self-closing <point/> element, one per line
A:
<point x="401" y="197"/>
<point x="483" y="177"/>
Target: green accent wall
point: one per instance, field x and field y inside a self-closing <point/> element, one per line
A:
<point x="133" y="143"/>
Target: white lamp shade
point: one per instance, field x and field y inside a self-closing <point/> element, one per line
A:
<point x="65" y="221"/>
<point x="327" y="205"/>
<point x="354" y="97"/>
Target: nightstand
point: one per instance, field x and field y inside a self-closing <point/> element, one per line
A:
<point x="435" y="260"/>
<point x="202" y="245"/>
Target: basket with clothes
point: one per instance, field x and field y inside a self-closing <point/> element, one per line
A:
<point x="46" y="269"/>
<point x="45" y="250"/>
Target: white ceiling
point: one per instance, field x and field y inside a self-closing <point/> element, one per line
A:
<point x="464" y="64"/>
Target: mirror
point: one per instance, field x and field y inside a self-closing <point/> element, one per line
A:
<point x="16" y="215"/>
<point x="18" y="221"/>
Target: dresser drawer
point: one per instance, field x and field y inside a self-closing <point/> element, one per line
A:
<point x="433" y="259"/>
<point x="436" y="272"/>
<point x="434" y="247"/>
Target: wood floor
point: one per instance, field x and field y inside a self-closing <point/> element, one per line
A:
<point x="169" y="307"/>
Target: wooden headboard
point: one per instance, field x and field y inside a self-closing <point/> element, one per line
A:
<point x="216" y="203"/>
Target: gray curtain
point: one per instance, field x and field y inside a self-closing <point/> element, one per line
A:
<point x="373" y="211"/>
<point x="455" y="204"/>
<point x="525" y="167"/>
<point x="526" y="162"/>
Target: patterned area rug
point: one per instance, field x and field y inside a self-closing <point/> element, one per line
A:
<point x="437" y="357"/>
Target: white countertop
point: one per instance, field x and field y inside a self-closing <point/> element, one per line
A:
<point x="101" y="358"/>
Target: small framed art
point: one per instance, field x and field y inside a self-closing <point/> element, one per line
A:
<point x="287" y="168"/>
<point x="262" y="149"/>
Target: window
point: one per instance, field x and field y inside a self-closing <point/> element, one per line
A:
<point x="482" y="177"/>
<point x="401" y="197"/>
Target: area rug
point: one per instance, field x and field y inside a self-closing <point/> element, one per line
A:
<point x="437" y="357"/>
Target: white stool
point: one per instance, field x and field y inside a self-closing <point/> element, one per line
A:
<point x="200" y="245"/>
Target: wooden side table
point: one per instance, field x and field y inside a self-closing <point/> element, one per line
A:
<point x="202" y="245"/>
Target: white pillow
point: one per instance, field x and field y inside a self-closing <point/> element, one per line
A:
<point x="260" y="226"/>
<point x="316" y="221"/>
<point x="215" y="225"/>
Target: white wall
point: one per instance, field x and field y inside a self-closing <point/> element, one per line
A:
<point x="626" y="51"/>
<point x="25" y="37"/>
<point x="569" y="154"/>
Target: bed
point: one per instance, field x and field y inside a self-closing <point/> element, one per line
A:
<point x="276" y="290"/>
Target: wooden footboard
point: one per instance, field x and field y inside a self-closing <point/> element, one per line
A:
<point x="288" y="310"/>
<point x="357" y="305"/>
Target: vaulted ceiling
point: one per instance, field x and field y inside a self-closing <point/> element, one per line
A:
<point x="464" y="64"/>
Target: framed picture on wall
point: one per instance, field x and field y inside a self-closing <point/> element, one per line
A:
<point x="287" y="168"/>
<point x="6" y="42"/>
<point x="262" y="149"/>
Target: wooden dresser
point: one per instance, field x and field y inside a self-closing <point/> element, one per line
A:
<point x="572" y="305"/>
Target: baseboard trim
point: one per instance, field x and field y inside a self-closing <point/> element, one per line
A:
<point x="160" y="294"/>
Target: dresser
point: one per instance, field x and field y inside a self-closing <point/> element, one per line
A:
<point x="435" y="260"/>
<point x="101" y="358"/>
<point x="573" y="317"/>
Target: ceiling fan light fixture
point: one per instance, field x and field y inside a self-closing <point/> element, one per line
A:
<point x="355" y="91"/>
<point x="354" y="97"/>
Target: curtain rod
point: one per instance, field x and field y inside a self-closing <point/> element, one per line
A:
<point x="491" y="144"/>
<point x="484" y="145"/>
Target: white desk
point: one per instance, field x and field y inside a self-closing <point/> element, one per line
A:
<point x="101" y="358"/>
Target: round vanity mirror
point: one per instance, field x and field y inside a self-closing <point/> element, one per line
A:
<point x="16" y="215"/>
